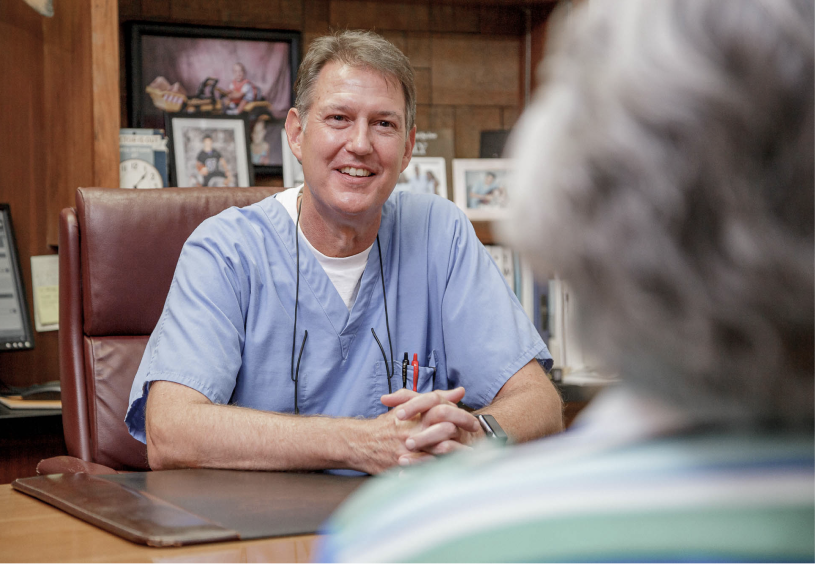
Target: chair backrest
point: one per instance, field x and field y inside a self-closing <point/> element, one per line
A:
<point x="117" y="254"/>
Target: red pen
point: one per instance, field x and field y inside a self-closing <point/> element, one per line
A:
<point x="415" y="364"/>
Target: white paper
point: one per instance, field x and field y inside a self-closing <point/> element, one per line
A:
<point x="45" y="282"/>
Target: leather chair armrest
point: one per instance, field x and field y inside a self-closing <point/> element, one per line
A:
<point x="71" y="465"/>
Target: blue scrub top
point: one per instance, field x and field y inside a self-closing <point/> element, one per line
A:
<point x="226" y="328"/>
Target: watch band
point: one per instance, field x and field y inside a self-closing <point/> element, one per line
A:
<point x="491" y="428"/>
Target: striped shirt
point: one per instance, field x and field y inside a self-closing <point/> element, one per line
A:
<point x="612" y="490"/>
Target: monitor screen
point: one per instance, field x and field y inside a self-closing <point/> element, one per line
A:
<point x="15" y="325"/>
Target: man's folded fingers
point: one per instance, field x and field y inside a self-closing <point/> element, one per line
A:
<point x="446" y="447"/>
<point x="418" y="404"/>
<point x="451" y="413"/>
<point x="398" y="397"/>
<point x="431" y="436"/>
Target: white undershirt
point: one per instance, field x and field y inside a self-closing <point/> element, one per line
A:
<point x="345" y="272"/>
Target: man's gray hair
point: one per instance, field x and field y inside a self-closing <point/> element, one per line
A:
<point x="666" y="172"/>
<point x="357" y="49"/>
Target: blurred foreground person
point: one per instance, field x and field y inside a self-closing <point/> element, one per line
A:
<point x="666" y="172"/>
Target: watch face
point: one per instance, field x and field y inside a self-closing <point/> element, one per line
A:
<point x="136" y="173"/>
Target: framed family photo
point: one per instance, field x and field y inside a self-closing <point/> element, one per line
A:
<point x="483" y="187"/>
<point x="424" y="175"/>
<point x="209" y="151"/>
<point x="199" y="71"/>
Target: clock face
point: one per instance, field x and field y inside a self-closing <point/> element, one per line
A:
<point x="136" y="173"/>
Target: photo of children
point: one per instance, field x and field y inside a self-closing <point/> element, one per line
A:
<point x="216" y="72"/>
<point x="210" y="152"/>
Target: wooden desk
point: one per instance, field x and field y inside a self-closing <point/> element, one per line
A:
<point x="33" y="531"/>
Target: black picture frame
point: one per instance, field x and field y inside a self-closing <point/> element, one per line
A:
<point x="180" y="167"/>
<point x="189" y="56"/>
<point x="8" y="247"/>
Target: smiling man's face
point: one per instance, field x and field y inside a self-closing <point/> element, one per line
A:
<point x="354" y="144"/>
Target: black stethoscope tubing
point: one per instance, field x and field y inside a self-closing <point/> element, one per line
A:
<point x="295" y="373"/>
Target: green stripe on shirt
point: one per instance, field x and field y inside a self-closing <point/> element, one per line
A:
<point x="786" y="533"/>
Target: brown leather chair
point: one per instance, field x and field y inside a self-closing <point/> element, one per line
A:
<point x="117" y="254"/>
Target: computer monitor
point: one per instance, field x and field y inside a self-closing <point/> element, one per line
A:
<point x="15" y="324"/>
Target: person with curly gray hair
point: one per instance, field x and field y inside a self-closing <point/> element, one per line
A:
<point x="666" y="172"/>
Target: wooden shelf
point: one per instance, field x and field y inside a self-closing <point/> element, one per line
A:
<point x="483" y="229"/>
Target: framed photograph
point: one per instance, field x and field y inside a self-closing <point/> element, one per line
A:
<point x="482" y="187"/>
<point x="292" y="169"/>
<point x="210" y="151"/>
<point x="424" y="175"/>
<point x="204" y="71"/>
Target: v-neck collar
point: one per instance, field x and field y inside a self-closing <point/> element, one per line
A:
<point x="314" y="279"/>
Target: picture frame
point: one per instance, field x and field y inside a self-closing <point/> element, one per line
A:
<point x="292" y="169"/>
<point x="482" y="187"/>
<point x="424" y="175"/>
<point x="194" y="70"/>
<point x="224" y="161"/>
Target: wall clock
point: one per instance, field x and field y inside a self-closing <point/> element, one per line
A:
<point x="136" y="173"/>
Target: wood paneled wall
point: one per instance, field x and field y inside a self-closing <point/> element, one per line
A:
<point x="81" y="110"/>
<point x="59" y="126"/>
<point x="22" y="174"/>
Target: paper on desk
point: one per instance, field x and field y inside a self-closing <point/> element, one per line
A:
<point x="45" y="280"/>
<point x="17" y="402"/>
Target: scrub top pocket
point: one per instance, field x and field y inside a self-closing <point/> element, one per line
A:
<point x="427" y="377"/>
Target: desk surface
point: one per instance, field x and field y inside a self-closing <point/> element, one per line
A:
<point x="7" y="413"/>
<point x="33" y="531"/>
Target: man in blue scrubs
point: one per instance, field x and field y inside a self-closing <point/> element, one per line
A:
<point x="230" y="379"/>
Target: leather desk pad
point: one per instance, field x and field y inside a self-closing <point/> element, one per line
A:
<point x="178" y="507"/>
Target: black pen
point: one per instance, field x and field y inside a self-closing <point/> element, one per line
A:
<point x="405" y="363"/>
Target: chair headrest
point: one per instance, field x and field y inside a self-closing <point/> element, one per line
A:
<point x="130" y="243"/>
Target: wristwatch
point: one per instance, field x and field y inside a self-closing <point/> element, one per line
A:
<point x="491" y="428"/>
